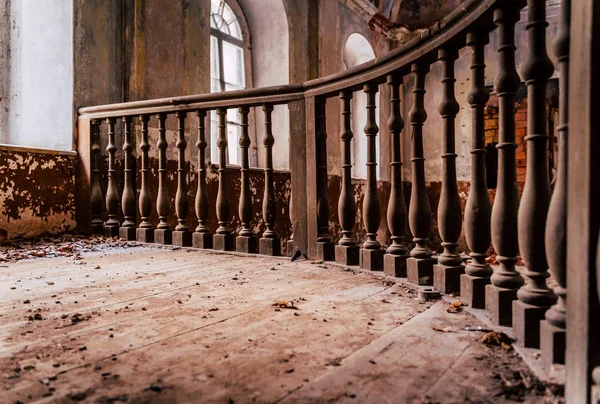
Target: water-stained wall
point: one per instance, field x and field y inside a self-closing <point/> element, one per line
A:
<point x="37" y="192"/>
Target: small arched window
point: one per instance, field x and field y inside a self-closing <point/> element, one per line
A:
<point x="226" y="70"/>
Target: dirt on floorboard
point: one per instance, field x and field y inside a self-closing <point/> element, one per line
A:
<point x="106" y="321"/>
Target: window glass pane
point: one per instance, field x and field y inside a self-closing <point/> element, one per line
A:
<point x="233" y="64"/>
<point x="214" y="57"/>
<point x="214" y="135"/>
<point x="235" y="30"/>
<point x="233" y="115"/>
<point x="233" y="138"/>
<point x="228" y="15"/>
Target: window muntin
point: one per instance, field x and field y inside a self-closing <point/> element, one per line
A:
<point x="226" y="73"/>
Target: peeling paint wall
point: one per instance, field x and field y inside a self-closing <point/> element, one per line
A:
<point x="37" y="193"/>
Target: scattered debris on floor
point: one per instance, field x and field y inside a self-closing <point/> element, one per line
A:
<point x="496" y="338"/>
<point x="285" y="305"/>
<point x="456" y="307"/>
<point x="67" y="245"/>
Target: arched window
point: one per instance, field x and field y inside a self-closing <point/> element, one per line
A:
<point x="226" y="70"/>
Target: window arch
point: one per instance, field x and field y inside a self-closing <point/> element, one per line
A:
<point x="227" y="70"/>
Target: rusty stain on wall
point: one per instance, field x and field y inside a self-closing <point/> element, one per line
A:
<point x="37" y="193"/>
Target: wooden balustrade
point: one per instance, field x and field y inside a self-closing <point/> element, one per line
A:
<point x="534" y="297"/>
<point x="505" y="280"/>
<point x="269" y="242"/>
<point x="347" y="251"/>
<point x="419" y="266"/>
<point x="202" y="237"/>
<point x="371" y="254"/>
<point x="96" y="225"/>
<point x="182" y="235"/>
<point x="553" y="328"/>
<point x="325" y="248"/>
<point x="162" y="233"/>
<point x="246" y="241"/>
<point x="145" y="233"/>
<point x="223" y="239"/>
<point x="111" y="227"/>
<point x="509" y="225"/>
<point x="478" y="208"/>
<point x="394" y="262"/>
<point x="447" y="273"/>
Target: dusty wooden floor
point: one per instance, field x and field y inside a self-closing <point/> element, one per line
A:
<point x="144" y="324"/>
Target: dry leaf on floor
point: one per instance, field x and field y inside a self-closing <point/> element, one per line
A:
<point x="495" y="338"/>
<point x="456" y="307"/>
<point x="285" y="305"/>
<point x="445" y="329"/>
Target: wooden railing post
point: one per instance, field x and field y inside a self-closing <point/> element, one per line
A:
<point x="111" y="227"/>
<point x="299" y="191"/>
<point x="371" y="253"/>
<point x="394" y="262"/>
<point x="583" y="215"/>
<point x="269" y="243"/>
<point x="347" y="251"/>
<point x="162" y="233"/>
<point x="202" y="237"/>
<point x="419" y="266"/>
<point x="478" y="209"/>
<point x="446" y="274"/>
<point x="145" y="233"/>
<point x="223" y="239"/>
<point x="182" y="235"/>
<point x="325" y="248"/>
<point x="246" y="240"/>
<point x="553" y="328"/>
<point x="534" y="297"/>
<point x="96" y="225"/>
<point x="505" y="281"/>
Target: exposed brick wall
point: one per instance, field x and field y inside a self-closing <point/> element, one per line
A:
<point x="492" y="133"/>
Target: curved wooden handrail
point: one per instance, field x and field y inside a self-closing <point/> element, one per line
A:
<point x="450" y="30"/>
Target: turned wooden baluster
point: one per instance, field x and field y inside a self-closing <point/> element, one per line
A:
<point x="419" y="266"/>
<point x="162" y="234"/>
<point x="325" y="248"/>
<point x="536" y="194"/>
<point x="223" y="239"/>
<point x="111" y="227"/>
<point x="246" y="241"/>
<point x="97" y="224"/>
<point x="145" y="233"/>
<point x="127" y="230"/>
<point x="449" y="209"/>
<point x="181" y="235"/>
<point x="419" y="215"/>
<point x="478" y="208"/>
<point x="397" y="252"/>
<point x="371" y="252"/>
<point x="202" y="237"/>
<point x="505" y="279"/>
<point x="290" y="243"/>
<point x="269" y="243"/>
<point x="552" y="340"/>
<point x="346" y="251"/>
<point x="449" y="269"/>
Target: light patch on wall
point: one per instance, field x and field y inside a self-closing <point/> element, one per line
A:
<point x="41" y="74"/>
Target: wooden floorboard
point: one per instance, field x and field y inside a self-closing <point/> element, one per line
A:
<point x="163" y="325"/>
